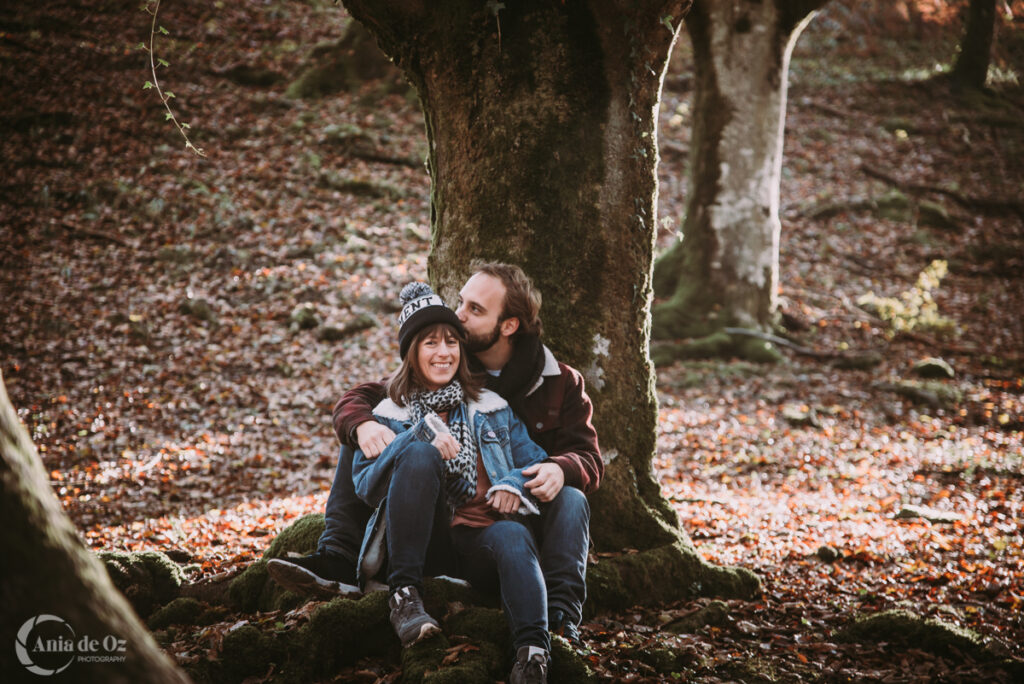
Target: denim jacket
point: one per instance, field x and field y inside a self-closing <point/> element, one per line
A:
<point x="505" y="450"/>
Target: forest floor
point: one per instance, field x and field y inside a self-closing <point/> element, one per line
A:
<point x="147" y="340"/>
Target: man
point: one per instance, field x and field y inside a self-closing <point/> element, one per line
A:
<point x="499" y="308"/>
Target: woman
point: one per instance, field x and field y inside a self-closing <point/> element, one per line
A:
<point x="452" y="474"/>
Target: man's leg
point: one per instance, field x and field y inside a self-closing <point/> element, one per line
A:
<point x="563" y="534"/>
<point x="332" y="569"/>
<point x="503" y="558"/>
<point x="345" y="515"/>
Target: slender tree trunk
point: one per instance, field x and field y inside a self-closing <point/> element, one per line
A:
<point x="971" y="68"/>
<point x="50" y="578"/>
<point x="724" y="271"/>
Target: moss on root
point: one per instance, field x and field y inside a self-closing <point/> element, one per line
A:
<point x="183" y="610"/>
<point x="668" y="573"/>
<point x="253" y="589"/>
<point x="908" y="629"/>
<point x="148" y="579"/>
<point x="718" y="344"/>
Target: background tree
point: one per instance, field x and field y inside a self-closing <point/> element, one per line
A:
<point x="975" y="50"/>
<point x="541" y="128"/>
<point x="724" y="270"/>
<point x="49" y="571"/>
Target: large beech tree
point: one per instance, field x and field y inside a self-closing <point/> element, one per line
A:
<point x="541" y="129"/>
<point x="724" y="270"/>
<point x="48" y="571"/>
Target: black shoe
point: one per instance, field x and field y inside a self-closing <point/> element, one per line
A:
<point x="531" y="666"/>
<point x="410" y="621"/>
<point x="561" y="624"/>
<point x="319" y="574"/>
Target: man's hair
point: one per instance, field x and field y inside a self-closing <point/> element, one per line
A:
<point x="408" y="378"/>
<point x="522" y="299"/>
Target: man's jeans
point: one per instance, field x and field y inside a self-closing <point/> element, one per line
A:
<point x="346" y="515"/>
<point x="503" y="558"/>
<point x="563" y="535"/>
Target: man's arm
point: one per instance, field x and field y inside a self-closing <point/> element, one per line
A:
<point x="355" y="408"/>
<point x="573" y="445"/>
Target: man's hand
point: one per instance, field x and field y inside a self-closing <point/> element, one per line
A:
<point x="447" y="445"/>
<point x="548" y="480"/>
<point x="505" y="502"/>
<point x="373" y="437"/>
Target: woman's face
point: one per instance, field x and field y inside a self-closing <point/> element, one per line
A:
<point x="437" y="358"/>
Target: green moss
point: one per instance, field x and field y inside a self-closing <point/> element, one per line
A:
<point x="664" y="574"/>
<point x="343" y="630"/>
<point x="913" y="631"/>
<point x="619" y="520"/>
<point x="245" y="652"/>
<point x="483" y="624"/>
<point x="181" y="611"/>
<point x="253" y="590"/>
<point x="756" y="350"/>
<point x="148" y="579"/>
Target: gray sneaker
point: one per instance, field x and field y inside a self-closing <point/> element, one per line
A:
<point x="531" y="666"/>
<point x="410" y="621"/>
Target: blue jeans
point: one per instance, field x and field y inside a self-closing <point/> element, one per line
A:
<point x="563" y="536"/>
<point x="503" y="558"/>
<point x="418" y="519"/>
<point x="345" y="515"/>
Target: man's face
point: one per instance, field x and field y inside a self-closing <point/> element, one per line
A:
<point x="481" y="303"/>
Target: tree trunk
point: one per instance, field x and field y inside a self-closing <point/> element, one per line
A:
<point x="541" y="130"/>
<point x="724" y="271"/>
<point x="50" y="578"/>
<point x="971" y="68"/>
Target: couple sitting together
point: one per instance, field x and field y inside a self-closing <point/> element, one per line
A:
<point x="473" y="460"/>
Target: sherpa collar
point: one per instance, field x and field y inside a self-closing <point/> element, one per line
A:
<point x="488" y="402"/>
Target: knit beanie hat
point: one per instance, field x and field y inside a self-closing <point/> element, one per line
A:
<point x="420" y="308"/>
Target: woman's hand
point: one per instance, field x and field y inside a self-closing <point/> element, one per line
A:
<point x="447" y="445"/>
<point x="505" y="502"/>
<point x="373" y="437"/>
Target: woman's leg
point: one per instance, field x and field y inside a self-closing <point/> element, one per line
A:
<point x="503" y="556"/>
<point x="417" y="516"/>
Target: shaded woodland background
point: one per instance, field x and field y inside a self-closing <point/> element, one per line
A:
<point x="174" y="330"/>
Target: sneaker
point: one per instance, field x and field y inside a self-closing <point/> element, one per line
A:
<point x="320" y="574"/>
<point x="531" y="666"/>
<point x="410" y="621"/>
<point x="561" y="624"/>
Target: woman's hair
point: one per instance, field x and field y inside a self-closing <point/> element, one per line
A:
<point x="408" y="378"/>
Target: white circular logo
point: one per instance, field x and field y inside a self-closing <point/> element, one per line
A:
<point x="45" y="645"/>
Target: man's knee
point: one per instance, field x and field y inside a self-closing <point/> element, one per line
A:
<point x="570" y="505"/>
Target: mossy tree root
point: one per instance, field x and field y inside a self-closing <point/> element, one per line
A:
<point x="669" y="573"/>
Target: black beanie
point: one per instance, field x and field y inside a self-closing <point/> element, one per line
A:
<point x="420" y="308"/>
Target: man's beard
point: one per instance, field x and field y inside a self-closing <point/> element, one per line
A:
<point x="478" y="343"/>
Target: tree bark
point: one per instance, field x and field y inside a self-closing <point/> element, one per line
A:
<point x="971" y="68"/>
<point x="541" y="126"/>
<point x="724" y="270"/>
<point x="49" y="576"/>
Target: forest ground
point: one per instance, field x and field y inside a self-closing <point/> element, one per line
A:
<point x="149" y="346"/>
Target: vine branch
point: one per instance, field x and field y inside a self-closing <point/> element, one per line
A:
<point x="165" y="97"/>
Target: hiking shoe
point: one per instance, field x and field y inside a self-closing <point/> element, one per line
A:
<point x="531" y="666"/>
<point x="561" y="624"/>
<point x="410" y="621"/>
<point x="319" y="574"/>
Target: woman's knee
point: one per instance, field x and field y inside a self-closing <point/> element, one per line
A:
<point x="421" y="459"/>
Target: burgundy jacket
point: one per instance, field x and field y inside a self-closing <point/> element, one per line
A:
<point x="557" y="413"/>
